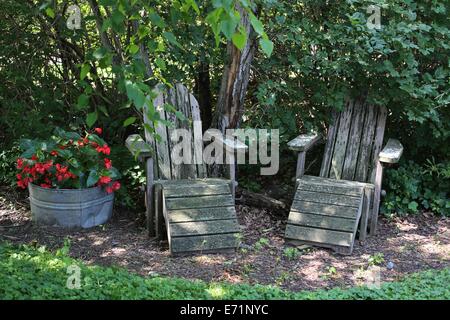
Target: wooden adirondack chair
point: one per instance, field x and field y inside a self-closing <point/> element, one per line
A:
<point x="326" y="210"/>
<point x="198" y="212"/>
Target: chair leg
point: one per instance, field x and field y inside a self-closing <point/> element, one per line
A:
<point x="376" y="198"/>
<point x="149" y="199"/>
<point x="365" y="215"/>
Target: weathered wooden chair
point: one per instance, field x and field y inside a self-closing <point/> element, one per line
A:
<point x="326" y="210"/>
<point x="198" y="212"/>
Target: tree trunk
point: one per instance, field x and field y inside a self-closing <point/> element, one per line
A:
<point x="203" y="92"/>
<point x="230" y="104"/>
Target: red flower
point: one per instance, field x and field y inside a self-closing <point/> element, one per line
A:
<point x="109" y="189"/>
<point x="105" y="149"/>
<point x="94" y="144"/>
<point x="116" y="185"/>
<point x="104" y="180"/>
<point x="23" y="183"/>
<point x="108" y="163"/>
<point x="34" y="157"/>
<point x="98" y="130"/>
<point x="19" y="163"/>
<point x="54" y="153"/>
<point x="45" y="185"/>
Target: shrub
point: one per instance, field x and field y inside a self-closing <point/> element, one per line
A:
<point x="35" y="273"/>
<point x="412" y="188"/>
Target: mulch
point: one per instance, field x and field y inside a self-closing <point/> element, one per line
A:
<point x="406" y="245"/>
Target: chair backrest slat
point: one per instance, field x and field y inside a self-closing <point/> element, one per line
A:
<point x="184" y="102"/>
<point x="354" y="141"/>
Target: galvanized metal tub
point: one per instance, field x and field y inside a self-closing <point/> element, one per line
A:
<point x="70" y="207"/>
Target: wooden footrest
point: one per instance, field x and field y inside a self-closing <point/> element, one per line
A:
<point x="325" y="213"/>
<point x="200" y="215"/>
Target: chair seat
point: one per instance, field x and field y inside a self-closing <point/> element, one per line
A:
<point x="326" y="212"/>
<point x="199" y="215"/>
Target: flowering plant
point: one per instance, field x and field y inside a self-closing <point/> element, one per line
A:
<point x="68" y="160"/>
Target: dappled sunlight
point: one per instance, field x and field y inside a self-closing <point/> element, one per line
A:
<point x="217" y="292"/>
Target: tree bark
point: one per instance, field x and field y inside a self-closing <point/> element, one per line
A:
<point x="202" y="90"/>
<point x="230" y="105"/>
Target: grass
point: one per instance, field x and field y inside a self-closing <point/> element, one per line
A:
<point x="28" y="272"/>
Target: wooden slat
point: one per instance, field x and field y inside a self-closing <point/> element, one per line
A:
<point x="376" y="148"/>
<point x="365" y="212"/>
<point x="329" y="188"/>
<point x="328" y="198"/>
<point x="354" y="140"/>
<point x="391" y="152"/>
<point x="191" y="182"/>
<point x="171" y="98"/>
<point x="173" y="191"/>
<point x="187" y="170"/>
<point x="198" y="155"/>
<point x="334" y="182"/>
<point x="203" y="227"/>
<point x="319" y="236"/>
<point x="329" y="147"/>
<point x="201" y="214"/>
<point x="337" y="162"/>
<point x="318" y="221"/>
<point x="203" y="243"/>
<point x="200" y="202"/>
<point x="324" y="209"/>
<point x="162" y="146"/>
<point x="363" y="163"/>
<point x="303" y="142"/>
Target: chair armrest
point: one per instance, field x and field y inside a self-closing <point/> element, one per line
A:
<point x="303" y="142"/>
<point x="391" y="152"/>
<point x="138" y="147"/>
<point x="232" y="145"/>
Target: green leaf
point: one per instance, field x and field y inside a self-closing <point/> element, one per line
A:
<point x="135" y="94"/>
<point x="133" y="49"/>
<point x="83" y="101"/>
<point x="91" y="118"/>
<point x="160" y="63"/>
<point x="413" y="206"/>
<point x="92" y="178"/>
<point x="239" y="39"/>
<point x="256" y="24"/>
<point x="157" y="20"/>
<point x="85" y="68"/>
<point x="170" y="37"/>
<point x="103" y="110"/>
<point x="129" y="121"/>
<point x="50" y="12"/>
<point x="266" y="46"/>
<point x="99" y="53"/>
<point x="228" y="27"/>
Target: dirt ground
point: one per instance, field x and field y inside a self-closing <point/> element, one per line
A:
<point x="402" y="246"/>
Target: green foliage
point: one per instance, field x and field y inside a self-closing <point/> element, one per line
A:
<point x="35" y="273"/>
<point x="412" y="188"/>
<point x="261" y="243"/>
<point x="291" y="253"/>
<point x="324" y="51"/>
<point x="8" y="166"/>
<point x="376" y="259"/>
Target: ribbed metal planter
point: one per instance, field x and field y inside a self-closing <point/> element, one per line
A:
<point x="70" y="207"/>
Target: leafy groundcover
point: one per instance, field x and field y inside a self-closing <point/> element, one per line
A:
<point x="28" y="272"/>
